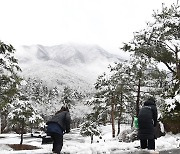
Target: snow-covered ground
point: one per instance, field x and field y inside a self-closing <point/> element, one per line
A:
<point x="74" y="143"/>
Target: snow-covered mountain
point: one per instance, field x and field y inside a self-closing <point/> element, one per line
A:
<point x="76" y="66"/>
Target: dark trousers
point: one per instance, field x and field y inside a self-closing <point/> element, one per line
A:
<point x="149" y="143"/>
<point x="57" y="142"/>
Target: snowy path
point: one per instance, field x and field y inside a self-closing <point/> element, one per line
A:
<point x="74" y="143"/>
<point x="172" y="151"/>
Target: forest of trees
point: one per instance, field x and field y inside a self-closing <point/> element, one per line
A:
<point x="119" y="92"/>
<point x="123" y="90"/>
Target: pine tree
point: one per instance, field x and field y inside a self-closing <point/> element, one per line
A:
<point x="126" y="86"/>
<point x="68" y="97"/>
<point x="90" y="127"/>
<point x="40" y="95"/>
<point x="160" y="42"/>
<point x="160" y="39"/>
<point x="23" y="115"/>
<point x="109" y="96"/>
<point x="9" y="78"/>
<point x="142" y="79"/>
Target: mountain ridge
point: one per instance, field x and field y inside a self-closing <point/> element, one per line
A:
<point x="77" y="66"/>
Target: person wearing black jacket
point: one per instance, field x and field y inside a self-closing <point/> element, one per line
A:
<point x="57" y="126"/>
<point x="147" y="121"/>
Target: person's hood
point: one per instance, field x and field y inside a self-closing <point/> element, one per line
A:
<point x="150" y="101"/>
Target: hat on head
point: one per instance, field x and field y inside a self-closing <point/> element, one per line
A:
<point x="152" y="99"/>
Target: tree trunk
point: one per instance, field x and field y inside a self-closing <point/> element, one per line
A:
<point x="91" y="138"/>
<point x="178" y="71"/>
<point x="112" y="117"/>
<point x="132" y="121"/>
<point x="138" y="97"/>
<point x="177" y="64"/>
<point x="119" y="124"/>
<point x="22" y="131"/>
<point x="21" y="138"/>
<point x="120" y="113"/>
<point x="0" y="122"/>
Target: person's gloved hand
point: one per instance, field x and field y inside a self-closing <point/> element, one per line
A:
<point x="67" y="131"/>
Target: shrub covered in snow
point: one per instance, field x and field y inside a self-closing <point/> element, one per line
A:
<point x="171" y="115"/>
<point x="128" y="135"/>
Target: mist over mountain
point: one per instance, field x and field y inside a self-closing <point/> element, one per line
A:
<point x="76" y="66"/>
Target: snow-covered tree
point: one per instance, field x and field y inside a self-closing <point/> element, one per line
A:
<point x="160" y="41"/>
<point x="67" y="97"/>
<point x="90" y="127"/>
<point x="140" y="78"/>
<point x="41" y="96"/>
<point x="108" y="98"/>
<point x="70" y="96"/>
<point x="37" y="90"/>
<point x="126" y="86"/>
<point x="171" y="115"/>
<point x="100" y="111"/>
<point x="23" y="115"/>
<point x="9" y="78"/>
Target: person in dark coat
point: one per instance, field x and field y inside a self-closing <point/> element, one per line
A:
<point x="147" y="121"/>
<point x="57" y="126"/>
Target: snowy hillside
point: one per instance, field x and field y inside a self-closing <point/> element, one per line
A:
<point x="77" y="66"/>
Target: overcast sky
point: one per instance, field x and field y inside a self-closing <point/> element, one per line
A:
<point x="106" y="23"/>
